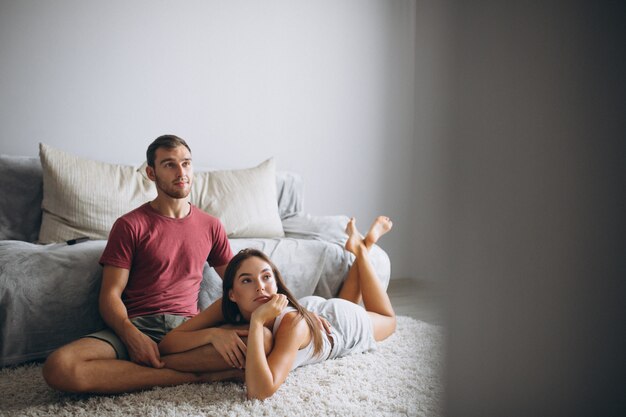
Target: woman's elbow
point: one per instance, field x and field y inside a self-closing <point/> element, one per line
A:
<point x="260" y="390"/>
<point x="259" y="394"/>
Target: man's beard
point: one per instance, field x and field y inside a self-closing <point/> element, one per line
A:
<point x="171" y="190"/>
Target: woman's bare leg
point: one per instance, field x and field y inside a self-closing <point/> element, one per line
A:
<point x="375" y="298"/>
<point x="350" y="290"/>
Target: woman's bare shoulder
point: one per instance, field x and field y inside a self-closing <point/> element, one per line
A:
<point x="294" y="326"/>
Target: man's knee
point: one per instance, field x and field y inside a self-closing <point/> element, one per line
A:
<point x="60" y="371"/>
<point x="63" y="369"/>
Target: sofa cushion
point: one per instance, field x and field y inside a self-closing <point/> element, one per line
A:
<point x="20" y="205"/>
<point x="243" y="199"/>
<point x="82" y="197"/>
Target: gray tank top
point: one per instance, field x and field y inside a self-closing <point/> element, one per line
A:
<point x="305" y="355"/>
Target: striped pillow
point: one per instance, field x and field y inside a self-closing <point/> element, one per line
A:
<point x="82" y="197"/>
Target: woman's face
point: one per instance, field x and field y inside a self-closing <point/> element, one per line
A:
<point x="253" y="285"/>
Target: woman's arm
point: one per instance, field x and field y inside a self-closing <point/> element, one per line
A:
<point x="264" y="375"/>
<point x="199" y="331"/>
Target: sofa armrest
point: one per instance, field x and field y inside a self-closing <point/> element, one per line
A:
<point x="331" y="229"/>
<point x="327" y="228"/>
<point x="20" y="214"/>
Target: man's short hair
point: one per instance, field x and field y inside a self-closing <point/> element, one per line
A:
<point x="164" y="141"/>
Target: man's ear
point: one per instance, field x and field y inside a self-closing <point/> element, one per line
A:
<point x="150" y="172"/>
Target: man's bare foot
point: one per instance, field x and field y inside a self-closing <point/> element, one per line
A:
<point x="355" y="240"/>
<point x="381" y="225"/>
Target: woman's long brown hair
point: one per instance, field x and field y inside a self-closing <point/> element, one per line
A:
<point x="231" y="312"/>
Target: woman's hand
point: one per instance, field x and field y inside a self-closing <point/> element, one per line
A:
<point x="323" y="323"/>
<point x="271" y="309"/>
<point x="228" y="343"/>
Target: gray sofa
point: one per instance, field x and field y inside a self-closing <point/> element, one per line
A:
<point x="49" y="293"/>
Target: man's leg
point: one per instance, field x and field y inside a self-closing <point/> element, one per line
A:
<point x="202" y="359"/>
<point x="206" y="358"/>
<point x="90" y="365"/>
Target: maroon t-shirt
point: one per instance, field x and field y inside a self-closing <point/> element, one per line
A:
<point x="165" y="257"/>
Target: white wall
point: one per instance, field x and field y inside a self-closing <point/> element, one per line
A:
<point x="324" y="86"/>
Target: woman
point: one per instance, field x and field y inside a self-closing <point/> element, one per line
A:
<point x="254" y="293"/>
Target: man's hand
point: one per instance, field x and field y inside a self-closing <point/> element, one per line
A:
<point x="143" y="350"/>
<point x="228" y="343"/>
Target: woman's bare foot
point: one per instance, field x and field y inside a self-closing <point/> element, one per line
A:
<point x="355" y="240"/>
<point x="381" y="225"/>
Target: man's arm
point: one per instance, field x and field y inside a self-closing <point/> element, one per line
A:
<point x="141" y="348"/>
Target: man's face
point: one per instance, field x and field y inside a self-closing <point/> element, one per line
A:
<point x="172" y="172"/>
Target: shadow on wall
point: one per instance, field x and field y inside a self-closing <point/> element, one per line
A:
<point x="534" y="226"/>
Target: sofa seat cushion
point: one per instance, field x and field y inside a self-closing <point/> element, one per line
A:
<point x="49" y="293"/>
<point x="308" y="266"/>
<point x="49" y="297"/>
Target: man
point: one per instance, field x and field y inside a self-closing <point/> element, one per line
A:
<point x="152" y="271"/>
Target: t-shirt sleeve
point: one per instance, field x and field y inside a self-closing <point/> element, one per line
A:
<point x="220" y="253"/>
<point x="120" y="246"/>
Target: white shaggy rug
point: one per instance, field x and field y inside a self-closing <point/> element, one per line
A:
<point x="401" y="378"/>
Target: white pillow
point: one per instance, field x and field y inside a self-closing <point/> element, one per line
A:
<point x="245" y="200"/>
<point x="82" y="197"/>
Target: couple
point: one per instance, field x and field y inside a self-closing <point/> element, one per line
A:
<point x="152" y="271"/>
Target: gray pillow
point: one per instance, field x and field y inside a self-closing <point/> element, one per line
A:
<point x="290" y="194"/>
<point x="21" y="186"/>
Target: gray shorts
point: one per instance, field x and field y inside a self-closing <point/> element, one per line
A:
<point x="155" y="327"/>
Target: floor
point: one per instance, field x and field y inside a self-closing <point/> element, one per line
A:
<point x="420" y="299"/>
